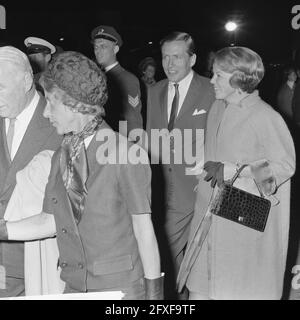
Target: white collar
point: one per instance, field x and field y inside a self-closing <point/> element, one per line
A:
<point x="111" y="66"/>
<point x="29" y="110"/>
<point x="185" y="81"/>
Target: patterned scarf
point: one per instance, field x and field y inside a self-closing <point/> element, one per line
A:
<point x="74" y="160"/>
<point x="73" y="143"/>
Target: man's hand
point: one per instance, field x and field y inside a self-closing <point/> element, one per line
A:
<point x="215" y="172"/>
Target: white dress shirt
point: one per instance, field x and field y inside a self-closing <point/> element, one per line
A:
<point x="21" y="124"/>
<point x="183" y="87"/>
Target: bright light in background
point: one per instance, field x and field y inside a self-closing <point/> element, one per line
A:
<point x="231" y="26"/>
<point x="61" y="39"/>
<point x="150" y="42"/>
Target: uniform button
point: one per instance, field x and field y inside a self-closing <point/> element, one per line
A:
<point x="64" y="230"/>
<point x="80" y="265"/>
<point x="54" y="200"/>
<point x="170" y="169"/>
<point x="64" y="264"/>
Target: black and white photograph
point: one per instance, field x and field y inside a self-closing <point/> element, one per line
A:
<point x="149" y="151"/>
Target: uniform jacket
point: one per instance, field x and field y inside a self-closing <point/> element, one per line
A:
<point x="40" y="135"/>
<point x="101" y="251"/>
<point x="244" y="263"/>
<point x="124" y="99"/>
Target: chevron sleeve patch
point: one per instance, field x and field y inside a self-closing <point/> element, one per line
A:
<point x="133" y="101"/>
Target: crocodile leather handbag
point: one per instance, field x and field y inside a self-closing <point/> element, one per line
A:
<point x="241" y="206"/>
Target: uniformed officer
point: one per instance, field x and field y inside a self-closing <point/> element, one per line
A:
<point x="123" y="87"/>
<point x="39" y="52"/>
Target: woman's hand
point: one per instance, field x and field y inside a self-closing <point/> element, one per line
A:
<point x="215" y="172"/>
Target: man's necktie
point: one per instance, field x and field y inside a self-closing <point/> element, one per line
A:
<point x="174" y="109"/>
<point x="10" y="134"/>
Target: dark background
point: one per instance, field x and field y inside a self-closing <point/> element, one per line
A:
<point x="264" y="26"/>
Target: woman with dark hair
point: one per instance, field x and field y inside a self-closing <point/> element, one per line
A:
<point x="209" y="64"/>
<point x="286" y="93"/>
<point x="147" y="69"/>
<point x="224" y="259"/>
<point x="97" y="204"/>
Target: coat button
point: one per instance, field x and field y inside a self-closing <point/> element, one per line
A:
<point x="80" y="265"/>
<point x="170" y="169"/>
<point x="64" y="264"/>
<point x="54" y="200"/>
<point x="64" y="230"/>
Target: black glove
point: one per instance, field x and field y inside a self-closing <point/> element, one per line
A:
<point x="154" y="288"/>
<point x="215" y="172"/>
<point x="3" y="230"/>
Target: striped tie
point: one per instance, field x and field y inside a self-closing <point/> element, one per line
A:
<point x="174" y="108"/>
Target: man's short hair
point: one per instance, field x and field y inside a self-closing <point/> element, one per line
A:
<point x="181" y="36"/>
<point x="15" y="57"/>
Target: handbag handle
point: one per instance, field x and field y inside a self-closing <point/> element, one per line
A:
<point x="238" y="173"/>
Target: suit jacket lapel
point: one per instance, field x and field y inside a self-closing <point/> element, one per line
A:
<point x="92" y="160"/>
<point x="164" y="104"/>
<point x="4" y="153"/>
<point x="190" y="99"/>
<point x="38" y="129"/>
<point x="37" y="132"/>
<point x="4" y="157"/>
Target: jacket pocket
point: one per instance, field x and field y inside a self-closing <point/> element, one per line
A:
<point x="113" y="265"/>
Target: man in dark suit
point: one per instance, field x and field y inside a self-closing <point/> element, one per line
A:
<point x="24" y="132"/>
<point x="176" y="104"/>
<point x="124" y="103"/>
